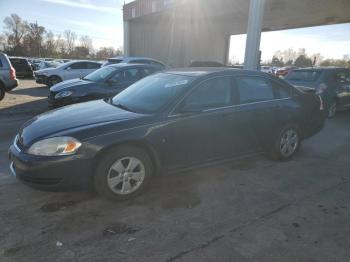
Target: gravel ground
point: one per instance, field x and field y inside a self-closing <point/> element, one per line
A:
<point x="247" y="210"/>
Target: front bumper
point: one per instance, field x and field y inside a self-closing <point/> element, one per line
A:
<point x="41" y="79"/>
<point x="57" y="173"/>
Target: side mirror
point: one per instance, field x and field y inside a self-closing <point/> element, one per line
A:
<point x="68" y="68"/>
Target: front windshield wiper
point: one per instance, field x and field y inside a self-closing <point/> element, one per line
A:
<point x="124" y="107"/>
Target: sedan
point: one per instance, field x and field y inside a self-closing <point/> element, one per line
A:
<point x="102" y="83"/>
<point x="163" y="123"/>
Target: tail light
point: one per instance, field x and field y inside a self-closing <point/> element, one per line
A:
<point x="12" y="73"/>
<point x="321" y="103"/>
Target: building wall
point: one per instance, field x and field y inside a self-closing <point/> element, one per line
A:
<point x="179" y="31"/>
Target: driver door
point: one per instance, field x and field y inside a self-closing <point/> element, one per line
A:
<point x="122" y="80"/>
<point x="202" y="127"/>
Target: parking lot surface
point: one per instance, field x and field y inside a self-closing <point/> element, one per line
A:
<point x="252" y="209"/>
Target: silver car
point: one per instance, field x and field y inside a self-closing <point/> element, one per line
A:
<point x="8" y="80"/>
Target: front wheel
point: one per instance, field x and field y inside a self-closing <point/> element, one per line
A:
<point x="53" y="80"/>
<point x="123" y="173"/>
<point x="287" y="143"/>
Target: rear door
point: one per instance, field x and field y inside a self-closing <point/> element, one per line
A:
<point x="257" y="111"/>
<point x="75" y="70"/>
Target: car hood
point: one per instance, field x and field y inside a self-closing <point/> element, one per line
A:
<point x="70" y="84"/>
<point x="71" y="118"/>
<point x="45" y="70"/>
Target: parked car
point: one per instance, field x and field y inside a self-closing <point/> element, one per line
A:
<point x="197" y="63"/>
<point x="102" y="83"/>
<point x="22" y="66"/>
<point x="266" y="69"/>
<point x="332" y="83"/>
<point x="66" y="71"/>
<point x="8" y="80"/>
<point x="133" y="60"/>
<point x="162" y="123"/>
<point x="284" y="71"/>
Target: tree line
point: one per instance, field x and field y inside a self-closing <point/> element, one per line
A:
<point x="23" y="38"/>
<point x="300" y="58"/>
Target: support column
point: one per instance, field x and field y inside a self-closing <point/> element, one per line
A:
<point x="255" y="23"/>
<point x="126" y="47"/>
<point x="227" y="50"/>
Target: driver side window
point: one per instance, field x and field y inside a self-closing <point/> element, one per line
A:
<point x="212" y="93"/>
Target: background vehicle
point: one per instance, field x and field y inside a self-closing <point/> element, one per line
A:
<point x="333" y="84"/>
<point x="266" y="69"/>
<point x="66" y="71"/>
<point x="133" y="60"/>
<point x="8" y="79"/>
<point x="48" y="64"/>
<point x="167" y="121"/>
<point x="102" y="83"/>
<point x="22" y="66"/>
<point x="284" y="71"/>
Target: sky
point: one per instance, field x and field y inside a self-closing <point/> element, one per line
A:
<point x="102" y="20"/>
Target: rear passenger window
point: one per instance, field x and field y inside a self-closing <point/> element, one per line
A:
<point x="93" y="65"/>
<point x="79" y="65"/>
<point x="254" y="89"/>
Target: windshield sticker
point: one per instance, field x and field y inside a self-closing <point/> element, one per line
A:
<point x="177" y="83"/>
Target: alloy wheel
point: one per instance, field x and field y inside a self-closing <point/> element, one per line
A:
<point x="126" y="175"/>
<point x="289" y="142"/>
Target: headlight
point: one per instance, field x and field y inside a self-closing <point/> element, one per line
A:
<point x="63" y="94"/>
<point x="56" y="146"/>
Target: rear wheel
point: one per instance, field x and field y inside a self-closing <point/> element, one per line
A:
<point x="287" y="143"/>
<point x="332" y="109"/>
<point x="123" y="173"/>
<point x="53" y="80"/>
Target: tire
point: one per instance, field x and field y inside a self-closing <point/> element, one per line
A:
<point x="287" y="143"/>
<point x="332" y="109"/>
<point x="112" y="179"/>
<point x="53" y="80"/>
<point x="2" y="92"/>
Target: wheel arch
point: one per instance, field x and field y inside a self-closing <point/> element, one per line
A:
<point x="143" y="145"/>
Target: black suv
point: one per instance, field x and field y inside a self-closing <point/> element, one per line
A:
<point x="22" y="66"/>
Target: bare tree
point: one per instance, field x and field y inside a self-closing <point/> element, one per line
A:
<point x="70" y="38"/>
<point x="15" y="29"/>
<point x="33" y="39"/>
<point x="86" y="42"/>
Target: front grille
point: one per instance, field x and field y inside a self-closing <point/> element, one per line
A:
<point x="19" y="143"/>
<point x="40" y="180"/>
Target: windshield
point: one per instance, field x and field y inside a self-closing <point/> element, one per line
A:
<point x="152" y="93"/>
<point x="304" y="76"/>
<point x="100" y="75"/>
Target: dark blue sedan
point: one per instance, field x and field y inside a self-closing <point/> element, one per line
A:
<point x="163" y="123"/>
<point x="102" y="83"/>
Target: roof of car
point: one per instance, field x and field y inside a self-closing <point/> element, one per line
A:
<point x="125" y="65"/>
<point x="202" y="71"/>
<point x="321" y="68"/>
<point x="128" y="58"/>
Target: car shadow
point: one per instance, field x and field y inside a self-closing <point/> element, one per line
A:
<point x="31" y="108"/>
<point x="32" y="91"/>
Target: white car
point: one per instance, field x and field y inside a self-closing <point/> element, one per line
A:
<point x="66" y="71"/>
